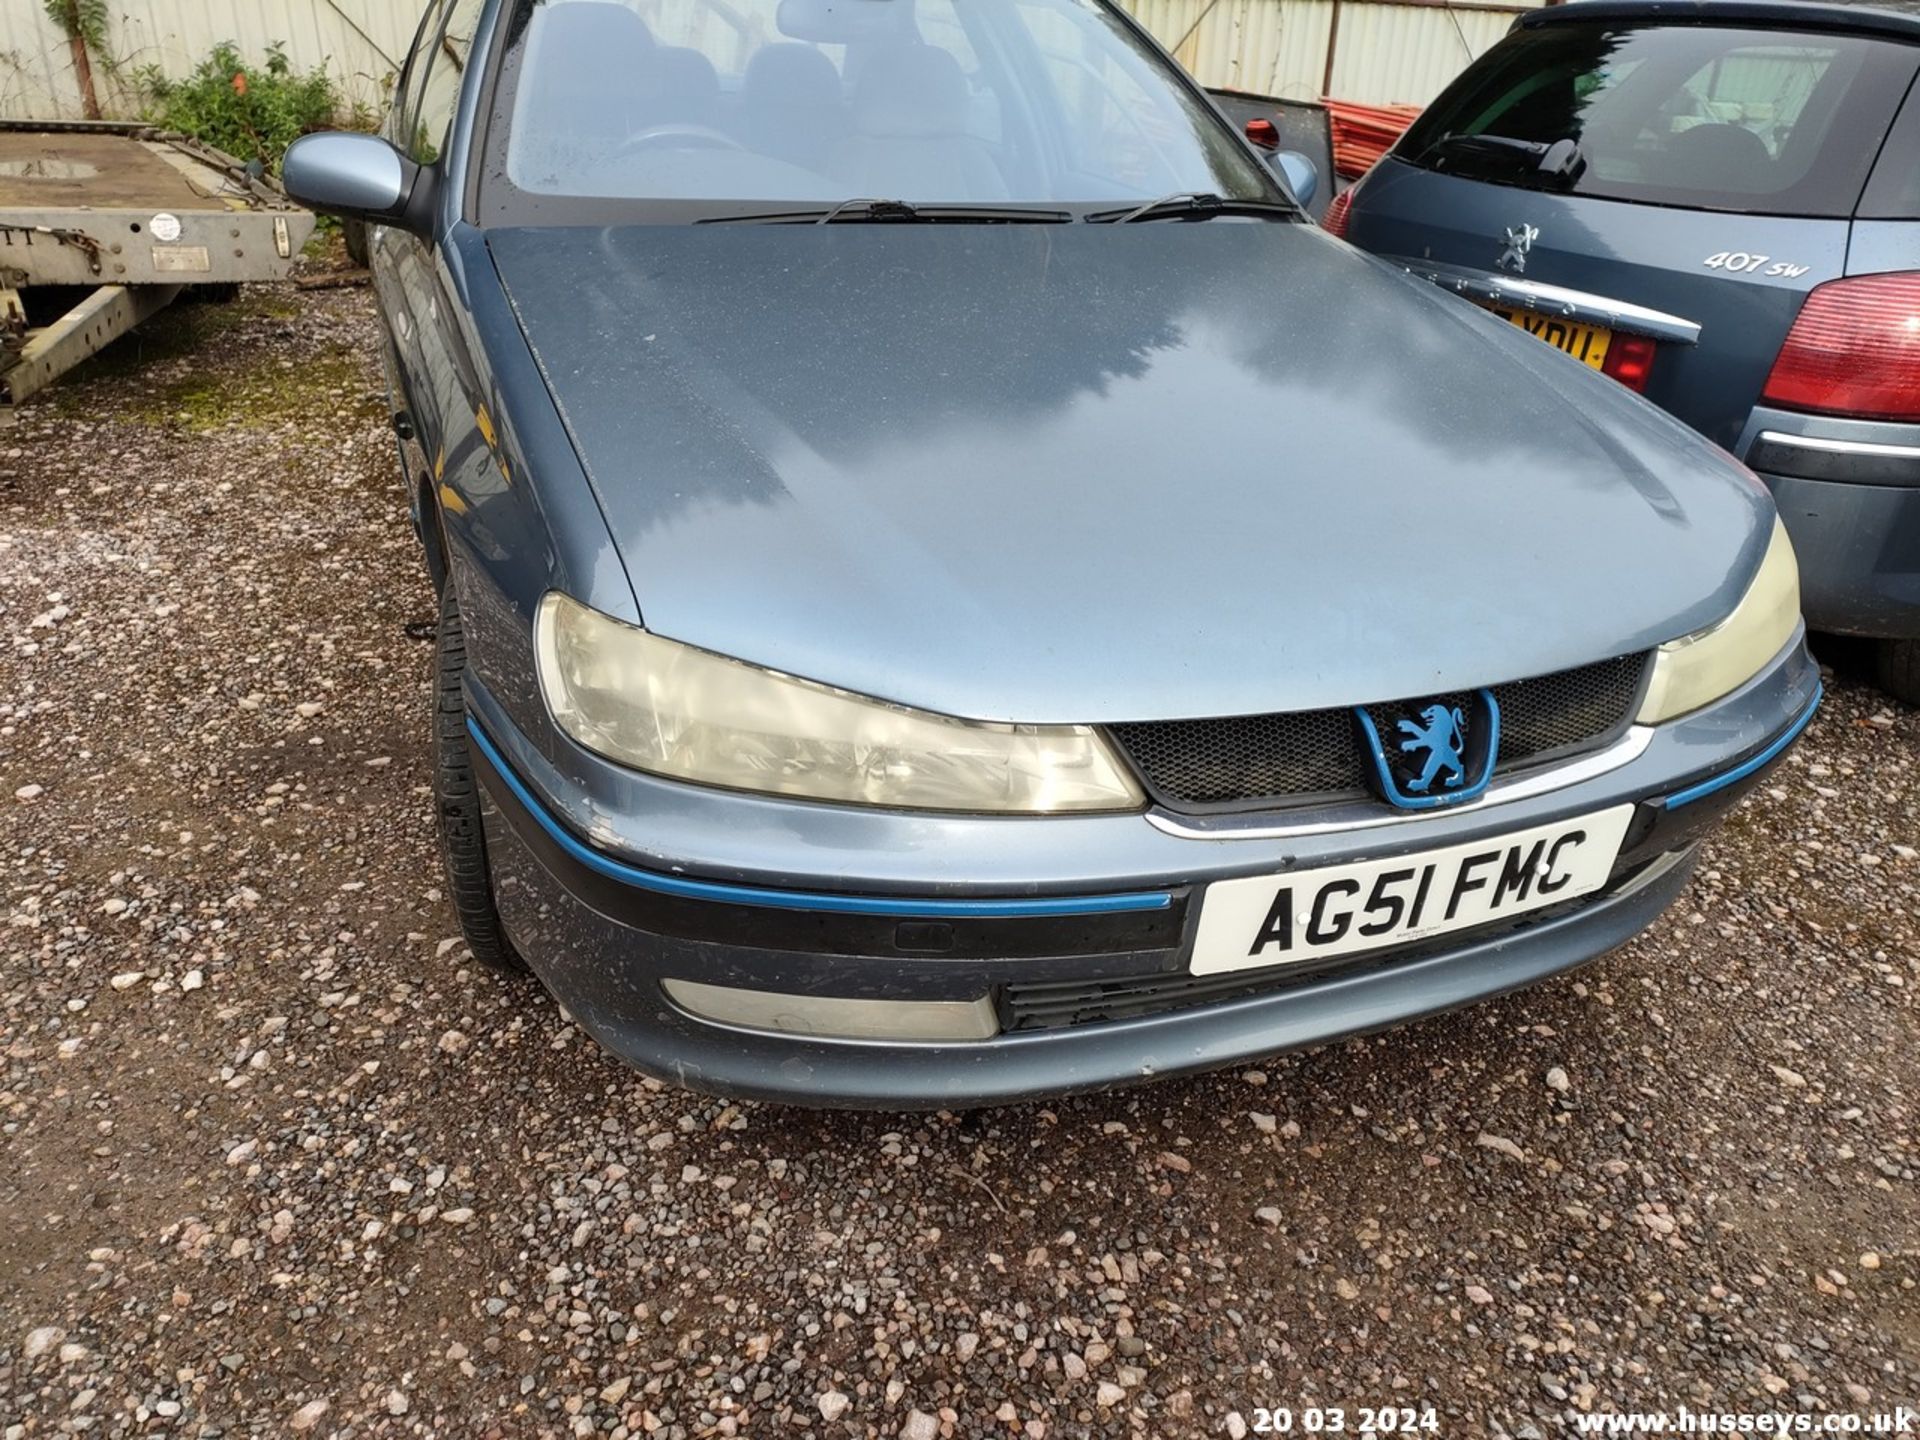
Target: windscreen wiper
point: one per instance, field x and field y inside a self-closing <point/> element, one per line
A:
<point x="1191" y="205"/>
<point x="1560" y="159"/>
<point x="866" y="211"/>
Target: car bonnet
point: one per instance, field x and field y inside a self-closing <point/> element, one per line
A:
<point x="1094" y="473"/>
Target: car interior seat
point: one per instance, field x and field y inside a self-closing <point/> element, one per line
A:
<point x="686" y="88"/>
<point x="1717" y="157"/>
<point x="793" y="104"/>
<point x="583" y="109"/>
<point x="909" y="137"/>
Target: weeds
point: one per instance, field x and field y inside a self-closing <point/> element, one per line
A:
<point x="82" y="20"/>
<point x="252" y="112"/>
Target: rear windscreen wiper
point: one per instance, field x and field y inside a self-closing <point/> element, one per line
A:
<point x="1196" y="206"/>
<point x="1560" y="159"/>
<point x="865" y="211"/>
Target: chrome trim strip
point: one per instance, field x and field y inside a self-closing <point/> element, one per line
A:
<point x="1527" y="294"/>
<point x="832" y="1017"/>
<point x="1369" y="816"/>
<point x="1655" y="868"/>
<point x="1837" y="447"/>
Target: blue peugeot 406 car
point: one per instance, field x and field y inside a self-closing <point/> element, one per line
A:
<point x="952" y="589"/>
<point x="1718" y="204"/>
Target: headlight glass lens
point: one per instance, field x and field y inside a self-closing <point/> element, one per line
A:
<point x="1698" y="669"/>
<point x="689" y="714"/>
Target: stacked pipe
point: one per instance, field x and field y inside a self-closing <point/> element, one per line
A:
<point x="1363" y="133"/>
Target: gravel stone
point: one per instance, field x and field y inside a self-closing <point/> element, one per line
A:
<point x="308" y="1415"/>
<point x="39" y="1341"/>
<point x="1502" y="1144"/>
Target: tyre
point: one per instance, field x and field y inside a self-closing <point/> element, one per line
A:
<point x="354" y="234"/>
<point x="1900" y="669"/>
<point x="456" y="794"/>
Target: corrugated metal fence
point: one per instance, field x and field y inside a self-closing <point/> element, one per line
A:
<point x="360" y="41"/>
<point x="1376" y="51"/>
<point x="1367" y="50"/>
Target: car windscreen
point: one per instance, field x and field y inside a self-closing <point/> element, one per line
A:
<point x="1699" y="116"/>
<point x="676" y="110"/>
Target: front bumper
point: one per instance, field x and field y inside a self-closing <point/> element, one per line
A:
<point x="1077" y="931"/>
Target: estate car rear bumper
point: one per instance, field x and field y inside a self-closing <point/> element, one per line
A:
<point x="1061" y="946"/>
<point x="1848" y="492"/>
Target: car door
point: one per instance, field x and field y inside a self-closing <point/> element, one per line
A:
<point x="384" y="250"/>
<point x="1684" y="185"/>
<point x="426" y="348"/>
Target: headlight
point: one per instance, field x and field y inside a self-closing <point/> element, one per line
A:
<point x="672" y="710"/>
<point x="1699" y="668"/>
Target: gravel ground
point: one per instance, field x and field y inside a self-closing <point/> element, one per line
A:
<point x="277" y="1158"/>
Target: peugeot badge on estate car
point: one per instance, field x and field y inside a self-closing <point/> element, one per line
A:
<point x="952" y="590"/>
<point x="1718" y="205"/>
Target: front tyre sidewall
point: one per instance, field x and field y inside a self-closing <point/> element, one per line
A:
<point x="456" y="793"/>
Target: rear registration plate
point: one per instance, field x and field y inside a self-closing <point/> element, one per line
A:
<point x="1585" y="343"/>
<point x="1344" y="909"/>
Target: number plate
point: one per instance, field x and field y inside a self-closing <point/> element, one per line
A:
<point x="1585" y="343"/>
<point x="1345" y="909"/>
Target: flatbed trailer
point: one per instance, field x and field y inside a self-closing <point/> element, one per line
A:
<point x="126" y="216"/>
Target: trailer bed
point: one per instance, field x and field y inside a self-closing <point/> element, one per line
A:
<point x="132" y="214"/>
<point x="82" y="170"/>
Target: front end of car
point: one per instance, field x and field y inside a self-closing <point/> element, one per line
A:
<point x="755" y="884"/>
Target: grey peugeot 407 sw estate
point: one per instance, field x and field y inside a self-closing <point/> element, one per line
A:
<point x="1719" y="205"/>
<point x="952" y="590"/>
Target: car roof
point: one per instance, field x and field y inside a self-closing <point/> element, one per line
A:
<point x="1898" y="19"/>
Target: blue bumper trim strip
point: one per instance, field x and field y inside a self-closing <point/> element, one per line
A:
<point x="1747" y="767"/>
<point x="802" y="900"/>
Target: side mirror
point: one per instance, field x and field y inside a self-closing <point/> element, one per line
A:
<point x="1300" y="173"/>
<point x="358" y="177"/>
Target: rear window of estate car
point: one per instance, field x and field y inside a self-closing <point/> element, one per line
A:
<point x="1696" y="116"/>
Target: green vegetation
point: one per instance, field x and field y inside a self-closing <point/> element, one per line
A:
<point x="252" y="112"/>
<point x="83" y="20"/>
<point x="201" y="393"/>
<point x="322" y="388"/>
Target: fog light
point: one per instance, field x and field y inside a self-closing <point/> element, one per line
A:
<point x="828" y="1017"/>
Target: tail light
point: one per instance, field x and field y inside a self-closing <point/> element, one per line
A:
<point x="1630" y="361"/>
<point x="1854" y="350"/>
<point x="1334" y="222"/>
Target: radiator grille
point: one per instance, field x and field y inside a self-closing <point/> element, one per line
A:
<point x="1307" y="756"/>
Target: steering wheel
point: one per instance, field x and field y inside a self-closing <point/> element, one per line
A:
<point x="697" y="137"/>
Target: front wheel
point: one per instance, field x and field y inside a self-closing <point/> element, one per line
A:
<point x="1900" y="669"/>
<point x="456" y="794"/>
